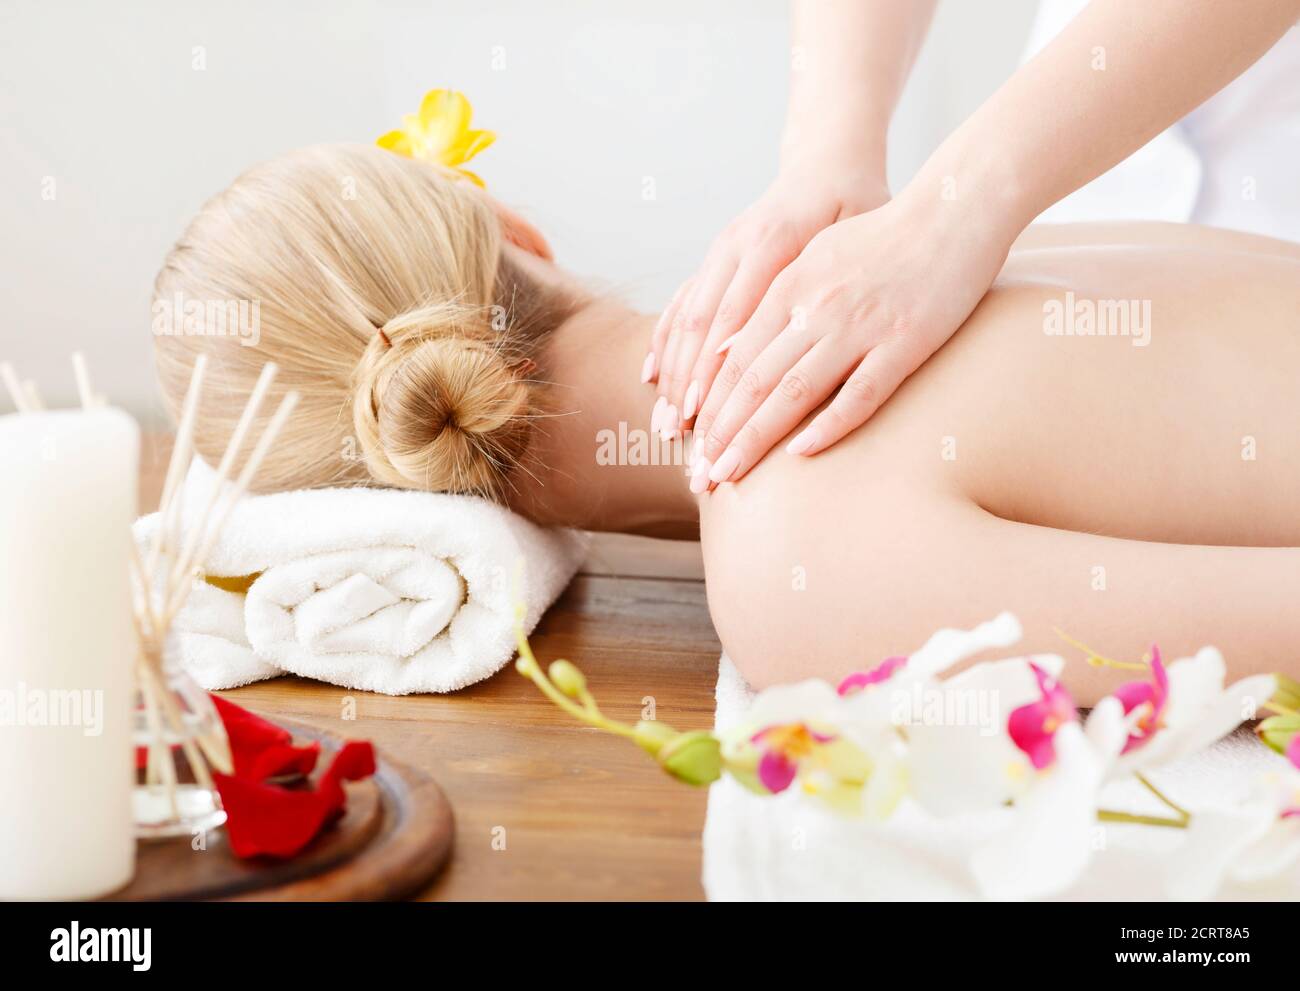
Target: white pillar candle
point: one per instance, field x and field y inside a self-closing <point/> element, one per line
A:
<point x="68" y="490"/>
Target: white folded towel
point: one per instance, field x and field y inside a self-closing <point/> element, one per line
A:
<point x="780" y="848"/>
<point x="375" y="589"/>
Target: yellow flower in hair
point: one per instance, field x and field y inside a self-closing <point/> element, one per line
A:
<point x="440" y="133"/>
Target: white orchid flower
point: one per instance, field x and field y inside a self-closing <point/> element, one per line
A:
<point x="973" y="764"/>
<point x="899" y="693"/>
<point x="1049" y="840"/>
<point x="1184" y="708"/>
<point x="802" y="732"/>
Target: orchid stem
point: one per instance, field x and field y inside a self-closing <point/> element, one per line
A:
<point x="1164" y="799"/>
<point x="589" y="703"/>
<point x="1098" y="660"/>
<point x="1106" y="815"/>
<point x="1280" y="710"/>
<point x="587" y="713"/>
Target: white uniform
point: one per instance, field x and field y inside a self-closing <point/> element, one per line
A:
<point x="1232" y="162"/>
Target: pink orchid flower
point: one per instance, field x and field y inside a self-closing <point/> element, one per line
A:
<point x="1033" y="727"/>
<point x="862" y="679"/>
<point x="784" y="747"/>
<point x="1153" y="694"/>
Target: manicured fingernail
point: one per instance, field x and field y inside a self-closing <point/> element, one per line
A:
<point x="691" y="400"/>
<point x="700" y="475"/>
<point x="668" y="425"/>
<point x="722" y="348"/>
<point x="803" y="443"/>
<point x="657" y="414"/>
<point x="648" y="369"/>
<point x="727" y="464"/>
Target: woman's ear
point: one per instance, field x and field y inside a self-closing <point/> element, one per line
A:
<point x="522" y="234"/>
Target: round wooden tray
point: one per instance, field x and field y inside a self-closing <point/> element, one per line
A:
<point x="393" y="837"/>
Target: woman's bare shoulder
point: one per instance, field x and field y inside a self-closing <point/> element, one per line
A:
<point x="1050" y="237"/>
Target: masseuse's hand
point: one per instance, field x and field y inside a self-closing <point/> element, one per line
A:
<point x="710" y="307"/>
<point x="860" y="309"/>
<point x="869" y="299"/>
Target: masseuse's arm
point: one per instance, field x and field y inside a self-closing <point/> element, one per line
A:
<point x="872" y="297"/>
<point x="849" y="61"/>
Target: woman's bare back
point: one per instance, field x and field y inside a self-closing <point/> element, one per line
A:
<point x="1137" y="382"/>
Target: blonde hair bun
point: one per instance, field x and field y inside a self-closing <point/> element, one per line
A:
<point x="443" y="407"/>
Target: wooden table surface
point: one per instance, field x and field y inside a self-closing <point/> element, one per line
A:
<point x="546" y="808"/>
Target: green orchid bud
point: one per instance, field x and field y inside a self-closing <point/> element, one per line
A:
<point x="525" y="666"/>
<point x="1278" y="731"/>
<point x="567" y="678"/>
<point x="1287" y="694"/>
<point x="651" y="736"/>
<point x="694" y="758"/>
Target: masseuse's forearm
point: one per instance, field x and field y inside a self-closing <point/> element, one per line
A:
<point x="849" y="61"/>
<point x="1118" y="75"/>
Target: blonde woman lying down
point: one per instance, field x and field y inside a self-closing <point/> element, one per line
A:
<point x="1143" y="485"/>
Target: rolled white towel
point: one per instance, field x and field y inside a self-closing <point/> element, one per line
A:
<point x="375" y="589"/>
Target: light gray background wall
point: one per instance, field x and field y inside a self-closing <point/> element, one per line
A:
<point x="590" y="99"/>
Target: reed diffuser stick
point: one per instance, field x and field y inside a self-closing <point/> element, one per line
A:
<point x="180" y="461"/>
<point x="233" y="447"/>
<point x="33" y="396"/>
<point x="81" y="372"/>
<point x="14" y="387"/>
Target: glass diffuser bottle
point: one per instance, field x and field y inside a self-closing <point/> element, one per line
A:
<point x="179" y="740"/>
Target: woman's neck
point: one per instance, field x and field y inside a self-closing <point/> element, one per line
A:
<point x="593" y="463"/>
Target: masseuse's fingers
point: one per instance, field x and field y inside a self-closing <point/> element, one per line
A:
<point x="797" y="378"/>
<point x="658" y="339"/>
<point x="691" y="327"/>
<point x="752" y="280"/>
<point x="872" y="382"/>
<point x="742" y="348"/>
